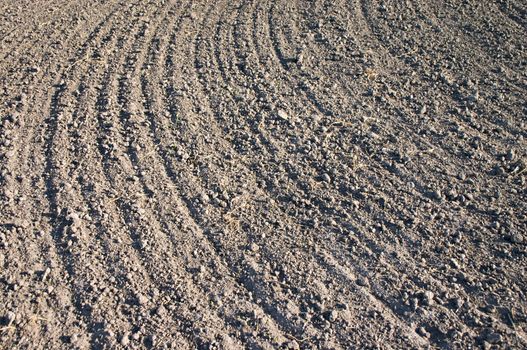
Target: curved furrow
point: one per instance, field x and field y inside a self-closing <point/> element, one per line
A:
<point x="231" y="109"/>
<point x="397" y="217"/>
<point x="72" y="231"/>
<point x="140" y="154"/>
<point x="23" y="110"/>
<point x="161" y="130"/>
<point x="262" y="174"/>
<point x="63" y="320"/>
<point x="20" y="102"/>
<point x="124" y="266"/>
<point x="132" y="202"/>
<point x="48" y="47"/>
<point x="341" y="216"/>
<point x="193" y="186"/>
<point x="221" y="57"/>
<point x="247" y="281"/>
<point x="301" y="193"/>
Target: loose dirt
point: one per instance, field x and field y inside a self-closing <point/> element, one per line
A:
<point x="263" y="174"/>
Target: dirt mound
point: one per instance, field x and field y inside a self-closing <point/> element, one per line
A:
<point x="263" y="174"/>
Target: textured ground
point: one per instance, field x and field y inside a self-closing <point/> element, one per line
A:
<point x="263" y="174"/>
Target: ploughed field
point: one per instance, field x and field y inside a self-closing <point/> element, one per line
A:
<point x="263" y="174"/>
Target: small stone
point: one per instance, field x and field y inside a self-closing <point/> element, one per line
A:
<point x="10" y="317"/>
<point x="74" y="338"/>
<point x="422" y="332"/>
<point x="362" y="281"/>
<point x="161" y="311"/>
<point x="254" y="247"/>
<point x="325" y="177"/>
<point x="283" y="114"/>
<point x="74" y="219"/>
<point x="142" y="300"/>
<point x="455" y="264"/>
<point x="333" y="315"/>
<point x="428" y="298"/>
<point x="125" y="340"/>
<point x="436" y="194"/>
<point x="458" y="303"/>
<point x="516" y="238"/>
<point x="204" y="198"/>
<point x="46" y="274"/>
<point x="511" y="155"/>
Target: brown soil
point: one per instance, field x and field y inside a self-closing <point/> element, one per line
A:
<point x="263" y="174"/>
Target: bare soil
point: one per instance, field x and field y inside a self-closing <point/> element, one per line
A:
<point x="263" y="174"/>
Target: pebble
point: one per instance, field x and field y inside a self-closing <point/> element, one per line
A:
<point x="161" y="311"/>
<point x="333" y="315"/>
<point x="283" y="115"/>
<point x="455" y="264"/>
<point x="46" y="274"/>
<point x="125" y="340"/>
<point x="422" y="332"/>
<point x="254" y="247"/>
<point x="204" y="198"/>
<point x="10" y="317"/>
<point x="74" y="338"/>
<point x="325" y="177"/>
<point x="74" y="219"/>
<point x="141" y="299"/>
<point x="516" y="238"/>
<point x="511" y="155"/>
<point x="362" y="281"/>
<point x="458" y="303"/>
<point x="428" y="298"/>
<point x="436" y="194"/>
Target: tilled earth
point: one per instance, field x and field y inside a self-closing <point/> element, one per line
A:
<point x="263" y="174"/>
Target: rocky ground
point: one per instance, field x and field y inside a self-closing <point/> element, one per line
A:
<point x="263" y="174"/>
